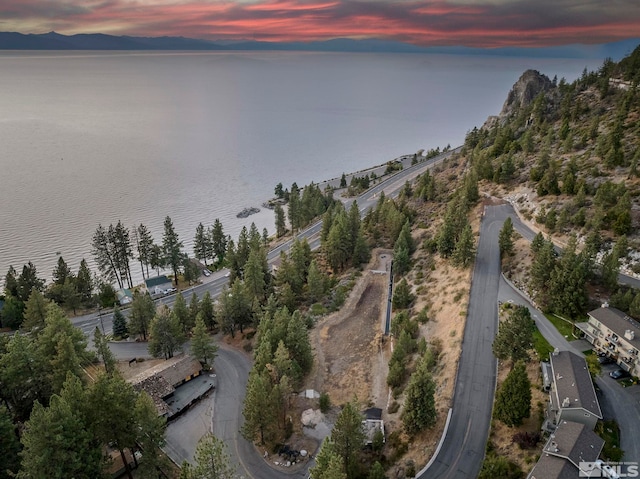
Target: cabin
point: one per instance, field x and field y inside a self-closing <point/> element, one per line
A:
<point x="158" y="285"/>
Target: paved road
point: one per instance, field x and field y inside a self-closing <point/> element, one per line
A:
<point x="463" y="448"/>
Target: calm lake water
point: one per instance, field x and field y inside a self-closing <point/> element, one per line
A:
<point x="89" y="138"/>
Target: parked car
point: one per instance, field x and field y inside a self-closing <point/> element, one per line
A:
<point x="605" y="360"/>
<point x="170" y="290"/>
<point x="206" y="272"/>
<point x="619" y="374"/>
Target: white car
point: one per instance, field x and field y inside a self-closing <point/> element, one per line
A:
<point x="170" y="290"/>
<point x="206" y="272"/>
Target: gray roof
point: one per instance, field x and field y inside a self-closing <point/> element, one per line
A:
<point x="572" y="380"/>
<point x="618" y="322"/>
<point x="157" y="281"/>
<point x="571" y="443"/>
<point x="551" y="467"/>
<point x="575" y="442"/>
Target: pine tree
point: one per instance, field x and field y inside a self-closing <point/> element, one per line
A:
<point x="316" y="283"/>
<point x="202" y="345"/>
<point x="28" y="281"/>
<point x="142" y="312"/>
<point x="505" y="240"/>
<point x="166" y="334"/>
<point x="218" y="242"/>
<point x="103" y="253"/>
<point x="348" y="437"/>
<point x="171" y="248"/>
<point x="35" y="312"/>
<point x="254" y="275"/>
<point x="182" y="315"/>
<point x="259" y="419"/>
<point x="515" y="335"/>
<point x="376" y="471"/>
<point x="207" y="311"/>
<point x="420" y="408"/>
<point x="201" y="246"/>
<point x="120" y="329"/>
<point x="464" y="251"/>
<point x="212" y="460"/>
<point x="61" y="271"/>
<point x="144" y="244"/>
<point x="402" y="296"/>
<point x="104" y="353"/>
<point x="151" y="430"/>
<point x="513" y="400"/>
<point x="9" y="445"/>
<point x="84" y="283"/>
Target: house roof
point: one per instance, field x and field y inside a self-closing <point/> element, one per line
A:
<point x="575" y="442"/>
<point x="373" y="413"/>
<point x="573" y="384"/>
<point x="569" y="445"/>
<point x="157" y="281"/>
<point x="173" y="370"/>
<point x="552" y="467"/>
<point x="618" y="322"/>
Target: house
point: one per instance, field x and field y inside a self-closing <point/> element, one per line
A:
<point x="615" y="334"/>
<point x="372" y="423"/>
<point x="125" y="296"/>
<point x="569" y="453"/>
<point x="162" y="381"/>
<point x="572" y="396"/>
<point x="158" y="285"/>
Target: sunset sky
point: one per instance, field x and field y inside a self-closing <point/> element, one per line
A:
<point x="479" y="23"/>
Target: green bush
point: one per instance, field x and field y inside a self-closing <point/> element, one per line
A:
<point x="325" y="402"/>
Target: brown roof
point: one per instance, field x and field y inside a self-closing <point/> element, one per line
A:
<point x="573" y="382"/>
<point x="618" y="322"/>
<point x="551" y="467"/>
<point x="173" y="370"/>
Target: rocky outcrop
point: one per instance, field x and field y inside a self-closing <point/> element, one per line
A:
<point x="525" y="90"/>
<point x="530" y="84"/>
<point x="248" y="212"/>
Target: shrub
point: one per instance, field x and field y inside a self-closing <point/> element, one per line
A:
<point x="526" y="440"/>
<point x="325" y="402"/>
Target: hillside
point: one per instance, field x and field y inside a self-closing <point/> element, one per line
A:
<point x="567" y="153"/>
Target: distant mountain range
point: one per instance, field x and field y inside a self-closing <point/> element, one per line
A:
<point x="99" y="41"/>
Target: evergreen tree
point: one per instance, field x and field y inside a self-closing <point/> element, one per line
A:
<point x="182" y="315"/>
<point x="200" y="244"/>
<point x="207" y="311"/>
<point x="348" y="437"/>
<point x="166" y="334"/>
<point x="120" y="329"/>
<point x="505" y="240"/>
<point x="28" y="281"/>
<point x="58" y="445"/>
<point x="420" y="408"/>
<point x="202" y="345"/>
<point x="171" y="248"/>
<point x="376" y="471"/>
<point x="9" y="445"/>
<point x="254" y="275"/>
<point x="515" y="335"/>
<point x="567" y="284"/>
<point x="61" y="271"/>
<point x="12" y="312"/>
<point x="281" y="226"/>
<point x="513" y="400"/>
<point x="35" y="312"/>
<point x="259" y="418"/>
<point x="144" y="244"/>
<point x="402" y="296"/>
<point x="84" y="283"/>
<point x="142" y="312"/>
<point x="212" y="460"/>
<point x="194" y="308"/>
<point x="104" y="353"/>
<point x="103" y="253"/>
<point x="11" y="282"/>
<point x="218" y="242"/>
<point x="151" y="430"/>
<point x="464" y="251"/>
<point x="316" y="283"/>
<point x="111" y="412"/>
<point x="120" y="241"/>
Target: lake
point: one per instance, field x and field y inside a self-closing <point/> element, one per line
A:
<point x="89" y="138"/>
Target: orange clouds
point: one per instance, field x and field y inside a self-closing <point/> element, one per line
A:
<point x="481" y="23"/>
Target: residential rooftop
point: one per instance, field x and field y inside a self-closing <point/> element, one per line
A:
<point x="573" y="385"/>
<point x="618" y="322"/>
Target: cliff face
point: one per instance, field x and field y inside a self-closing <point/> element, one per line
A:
<point x="525" y="90"/>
